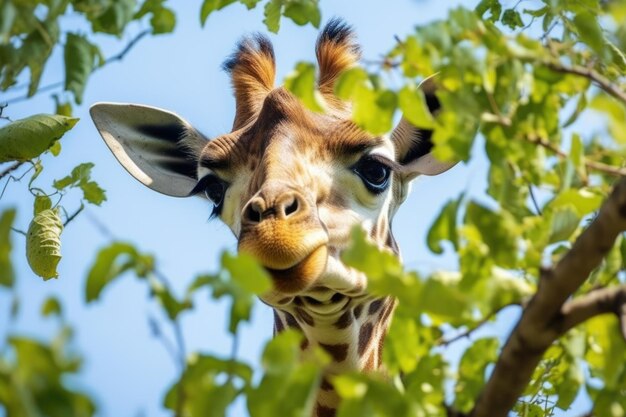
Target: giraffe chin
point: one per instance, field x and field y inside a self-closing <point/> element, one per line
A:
<point x="303" y="275"/>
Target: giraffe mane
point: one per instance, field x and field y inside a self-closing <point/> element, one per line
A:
<point x="336" y="51"/>
<point x="252" y="69"/>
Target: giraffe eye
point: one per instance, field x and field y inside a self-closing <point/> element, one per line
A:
<point x="375" y="174"/>
<point x="214" y="189"/>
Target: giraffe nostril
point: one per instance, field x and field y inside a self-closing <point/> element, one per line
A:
<point x="292" y="208"/>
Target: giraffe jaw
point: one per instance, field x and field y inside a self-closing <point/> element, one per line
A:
<point x="303" y="275"/>
<point x="326" y="292"/>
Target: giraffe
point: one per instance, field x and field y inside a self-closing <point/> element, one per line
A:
<point x="290" y="184"/>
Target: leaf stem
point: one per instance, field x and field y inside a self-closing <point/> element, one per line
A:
<point x="10" y="169"/>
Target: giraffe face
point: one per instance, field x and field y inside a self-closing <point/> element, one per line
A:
<point x="291" y="184"/>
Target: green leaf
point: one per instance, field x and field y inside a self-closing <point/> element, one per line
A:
<point x="241" y="279"/>
<point x="291" y="383"/>
<point x="42" y="202"/>
<point x="163" y="21"/>
<point x="273" y="10"/>
<point x="81" y="177"/>
<point x="28" y="138"/>
<point x="583" y="201"/>
<point x="80" y="56"/>
<point x="564" y="222"/>
<point x="43" y="243"/>
<point x="373" y="105"/>
<point x="493" y="6"/>
<point x="303" y="84"/>
<point x="281" y="354"/>
<point x="303" y="12"/>
<point x="51" y="306"/>
<point x="414" y="109"/>
<point x="590" y="31"/>
<point x="92" y="192"/>
<point x="113" y="20"/>
<point x="348" y="82"/>
<point x="444" y="227"/>
<point x="498" y="231"/>
<point x="246" y="271"/>
<point x="110" y="263"/>
<point x="209" y="6"/>
<point x="7" y="276"/>
<point x="512" y="19"/>
<point x="36" y="50"/>
<point x="472" y="372"/>
<point x="80" y="173"/>
<point x="204" y="392"/>
<point x="172" y="306"/>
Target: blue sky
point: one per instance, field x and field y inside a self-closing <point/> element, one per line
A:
<point x="126" y="369"/>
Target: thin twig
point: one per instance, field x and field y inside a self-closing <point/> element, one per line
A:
<point x="117" y="57"/>
<point x="534" y="200"/>
<point x="547" y="32"/>
<point x="120" y="56"/>
<point x="21" y="232"/>
<point x="2" y="116"/>
<point x="10" y="169"/>
<point x="73" y="216"/>
<point x="14" y="179"/>
<point x="468" y="332"/>
<point x="157" y="333"/>
<point x="593" y="165"/>
<point x="604" y="83"/>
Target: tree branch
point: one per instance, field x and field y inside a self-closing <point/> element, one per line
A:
<point x="468" y="332"/>
<point x="595" y="303"/>
<point x="604" y="83"/>
<point x="542" y="321"/>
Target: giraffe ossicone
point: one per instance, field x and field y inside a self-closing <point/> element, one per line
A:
<point x="290" y="184"/>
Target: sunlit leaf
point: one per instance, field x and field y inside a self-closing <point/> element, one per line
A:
<point x="110" y="263"/>
<point x="209" y="6"/>
<point x="80" y="55"/>
<point x="51" y="306"/>
<point x="273" y="10"/>
<point x="472" y="372"/>
<point x="303" y="84"/>
<point x="43" y="243"/>
<point x="7" y="276"/>
<point x="28" y="138"/>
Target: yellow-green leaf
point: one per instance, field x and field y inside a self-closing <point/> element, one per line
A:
<point x="414" y="109"/>
<point x="43" y="243"/>
<point x="28" y="138"/>
<point x="6" y="268"/>
<point x="302" y="83"/>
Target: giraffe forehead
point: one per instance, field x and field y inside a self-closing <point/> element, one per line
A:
<point x="281" y="135"/>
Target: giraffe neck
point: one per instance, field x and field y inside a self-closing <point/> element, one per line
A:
<point x="352" y="336"/>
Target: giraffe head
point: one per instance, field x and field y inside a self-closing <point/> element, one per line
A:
<point x="290" y="183"/>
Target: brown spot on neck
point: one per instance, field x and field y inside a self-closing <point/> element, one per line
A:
<point x="365" y="336"/>
<point x="339" y="352"/>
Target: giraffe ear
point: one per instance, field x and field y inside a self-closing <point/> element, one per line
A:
<point x="155" y="146"/>
<point x="414" y="146"/>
